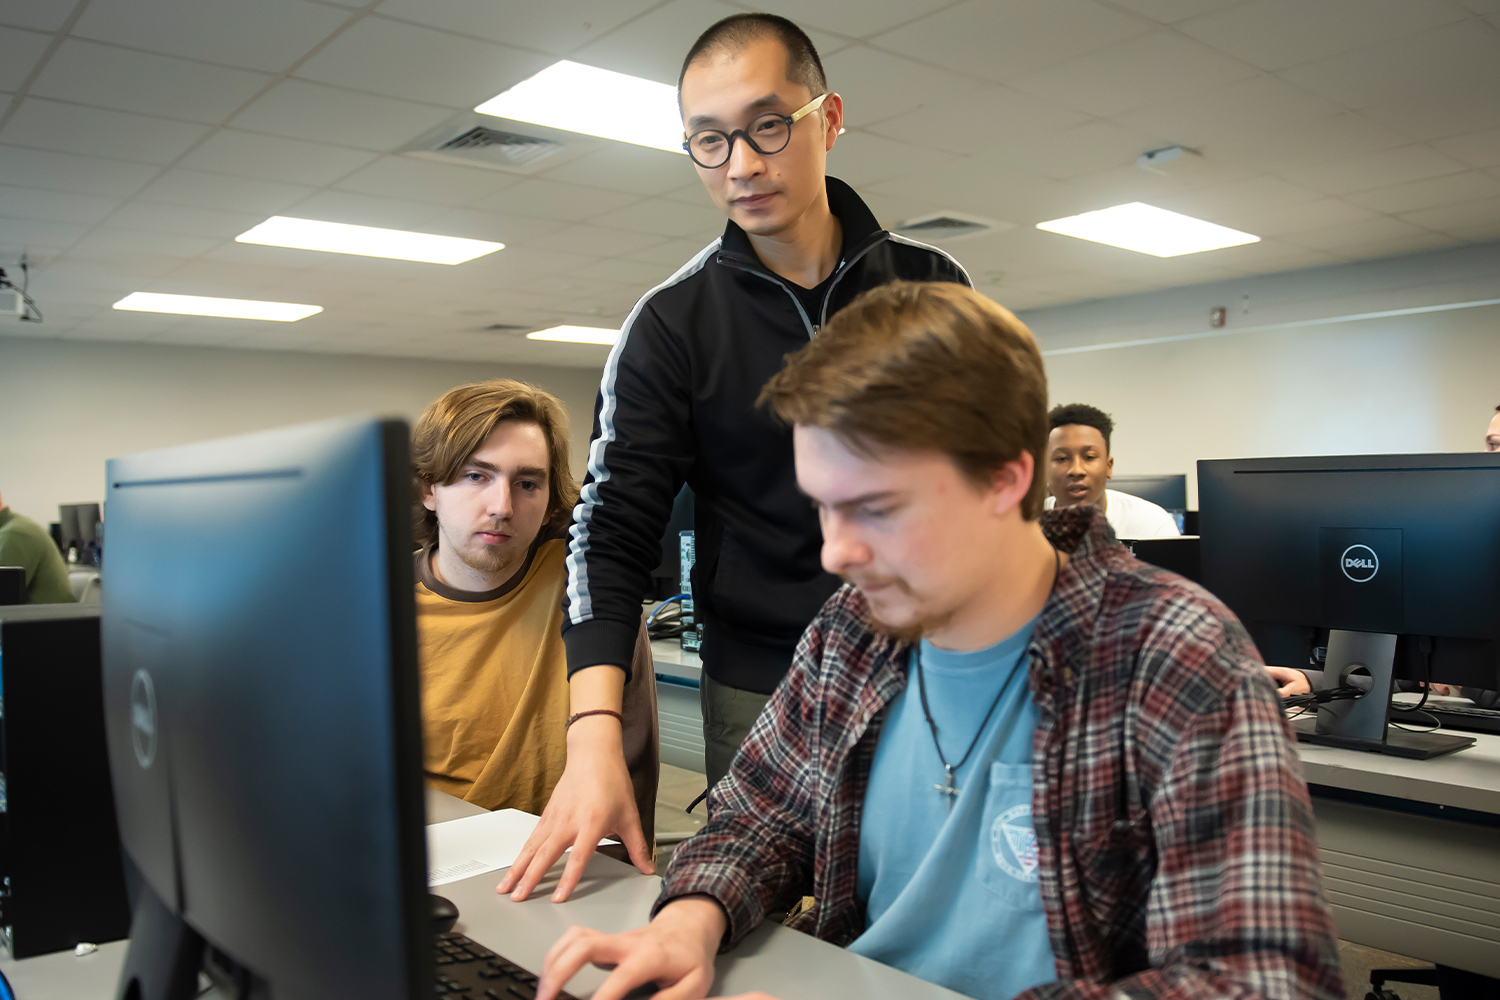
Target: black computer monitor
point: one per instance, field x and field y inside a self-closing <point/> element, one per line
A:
<point x="1318" y="555"/>
<point x="1164" y="491"/>
<point x="261" y="702"/>
<point x="666" y="577"/>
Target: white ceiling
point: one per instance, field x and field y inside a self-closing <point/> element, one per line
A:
<point x="138" y="137"/>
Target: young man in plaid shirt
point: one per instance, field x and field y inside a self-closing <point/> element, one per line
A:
<point x="1009" y="758"/>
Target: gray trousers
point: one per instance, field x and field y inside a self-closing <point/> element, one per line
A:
<point x="728" y="714"/>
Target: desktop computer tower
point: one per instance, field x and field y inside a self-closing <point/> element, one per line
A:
<point x="60" y="860"/>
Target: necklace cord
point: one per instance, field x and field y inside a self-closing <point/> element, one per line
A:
<point x="927" y="712"/>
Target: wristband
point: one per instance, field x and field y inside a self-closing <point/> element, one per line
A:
<point x="594" y="711"/>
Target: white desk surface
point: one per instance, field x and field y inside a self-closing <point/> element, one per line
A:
<point x="1467" y="779"/>
<point x="673" y="661"/>
<point x="611" y="897"/>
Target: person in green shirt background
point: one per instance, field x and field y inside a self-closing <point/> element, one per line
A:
<point x="25" y="543"/>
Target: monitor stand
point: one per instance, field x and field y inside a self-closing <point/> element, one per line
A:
<point x="1363" y="723"/>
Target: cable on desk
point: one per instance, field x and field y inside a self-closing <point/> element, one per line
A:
<point x="1305" y="701"/>
<point x="670" y="625"/>
<point x="1426" y="644"/>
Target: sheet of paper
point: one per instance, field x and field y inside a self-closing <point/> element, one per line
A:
<point x="488" y="842"/>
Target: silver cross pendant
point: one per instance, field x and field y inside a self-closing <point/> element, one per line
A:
<point x="949" y="789"/>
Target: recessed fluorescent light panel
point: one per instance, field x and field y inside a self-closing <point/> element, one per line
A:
<point x="576" y="335"/>
<point x="365" y="241"/>
<point x="1147" y="229"/>
<point x="578" y="98"/>
<point x="202" y="305"/>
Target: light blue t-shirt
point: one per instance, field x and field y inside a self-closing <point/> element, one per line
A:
<point x="953" y="898"/>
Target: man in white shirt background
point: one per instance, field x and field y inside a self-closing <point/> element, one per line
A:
<point x="1079" y="466"/>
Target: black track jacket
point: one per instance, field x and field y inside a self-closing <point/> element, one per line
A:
<point x="677" y="404"/>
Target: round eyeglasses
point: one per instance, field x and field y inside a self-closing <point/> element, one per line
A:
<point x="710" y="148"/>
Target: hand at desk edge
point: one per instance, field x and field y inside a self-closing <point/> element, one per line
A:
<point x="675" y="951"/>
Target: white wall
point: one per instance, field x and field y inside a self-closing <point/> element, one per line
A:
<point x="67" y="406"/>
<point x="1307" y="371"/>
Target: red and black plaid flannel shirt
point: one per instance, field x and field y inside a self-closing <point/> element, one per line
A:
<point x="1175" y="837"/>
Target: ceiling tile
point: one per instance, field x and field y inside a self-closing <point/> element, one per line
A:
<point x="1239" y="114"/>
<point x="19" y="52"/>
<point x="365" y="210"/>
<point x="109" y="77"/>
<point x="1251" y="195"/>
<point x="54" y="206"/>
<point x="43" y="15"/>
<point x="69" y="128"/>
<point x="1299" y="217"/>
<point x="1136" y="73"/>
<point x="1431" y="115"/>
<point x="36" y="236"/>
<point x="658" y="217"/>
<point x="1305" y="144"/>
<point x="1003" y="40"/>
<point x="858" y="20"/>
<point x="983" y="187"/>
<point x="184" y="221"/>
<point x="559" y="26"/>
<point x="1172" y="11"/>
<point x="633" y="272"/>
<point x="1453" y="218"/>
<point x="877" y="85"/>
<point x="406" y="60"/>
<point x="302" y="110"/>
<point x="212" y="190"/>
<point x="864" y="158"/>
<point x="128" y="245"/>
<point x="275" y="158"/>
<point x="1277" y="34"/>
<point x="1453" y="190"/>
<point x="1081" y="149"/>
<point x="1482" y="149"/>
<point x="980" y="119"/>
<point x="473" y="224"/>
<point x="653" y="45"/>
<point x="268" y="35"/>
<point x="1355" y="236"/>
<point x="555" y="200"/>
<point x="72" y="172"/>
<point x="601" y="241"/>
<point x="1453" y="57"/>
<point x="421" y="180"/>
<point x="1390" y="166"/>
<point x="1482" y="6"/>
<point x="627" y="168"/>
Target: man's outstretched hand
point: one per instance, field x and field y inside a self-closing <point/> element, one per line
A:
<point x="593" y="799"/>
<point x="1289" y="681"/>
<point x="675" y="951"/>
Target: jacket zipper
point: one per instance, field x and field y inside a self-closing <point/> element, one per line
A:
<point x="838" y="273"/>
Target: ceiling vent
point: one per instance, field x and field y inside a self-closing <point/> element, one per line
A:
<point x="518" y="149"/>
<point x="948" y="227"/>
<point x="498" y="144"/>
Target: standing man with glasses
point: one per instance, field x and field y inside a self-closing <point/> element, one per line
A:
<point x="677" y="404"/>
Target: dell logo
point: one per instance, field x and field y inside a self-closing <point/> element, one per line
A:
<point x="143" y="718"/>
<point x="1359" y="563"/>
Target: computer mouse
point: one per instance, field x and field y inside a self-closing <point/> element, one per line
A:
<point x="444" y="913"/>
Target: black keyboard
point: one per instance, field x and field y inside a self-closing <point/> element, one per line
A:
<point x="467" y="970"/>
<point x="1475" y="719"/>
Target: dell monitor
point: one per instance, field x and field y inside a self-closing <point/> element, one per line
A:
<point x="261" y="708"/>
<point x="1368" y="566"/>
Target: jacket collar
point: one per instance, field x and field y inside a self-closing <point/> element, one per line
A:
<point x="853" y="214"/>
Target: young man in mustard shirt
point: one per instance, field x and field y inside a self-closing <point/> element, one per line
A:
<point x="490" y="462"/>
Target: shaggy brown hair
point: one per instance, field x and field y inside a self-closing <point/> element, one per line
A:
<point x="453" y="428"/>
<point x="924" y="366"/>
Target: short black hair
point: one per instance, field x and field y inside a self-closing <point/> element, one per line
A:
<point x="738" y="30"/>
<point x="1083" y="415"/>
